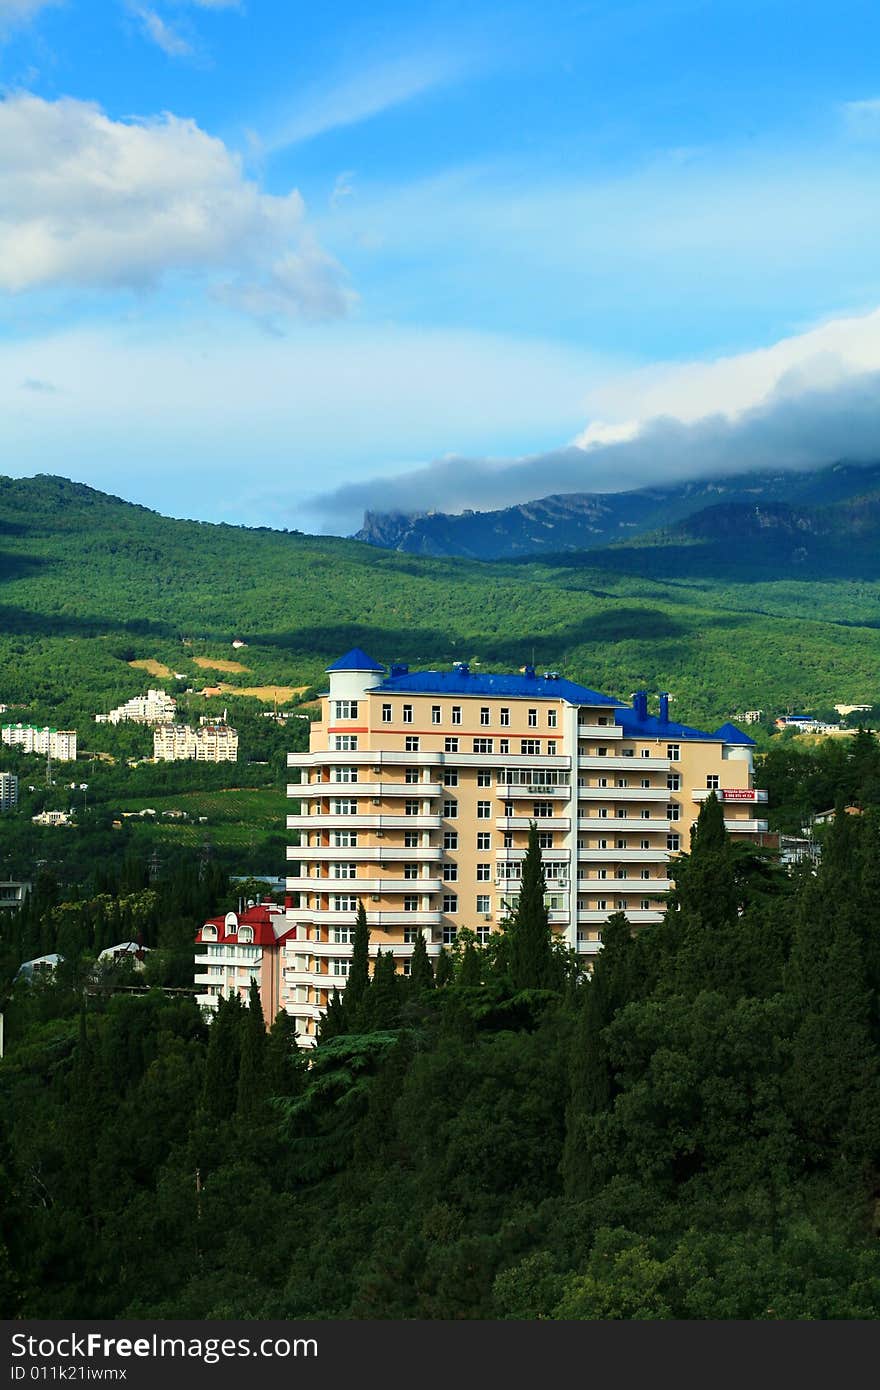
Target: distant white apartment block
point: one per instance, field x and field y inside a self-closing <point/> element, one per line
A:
<point x="58" y="743"/>
<point x="8" y="791"/>
<point x="210" y="743"/>
<point x="156" y="707"/>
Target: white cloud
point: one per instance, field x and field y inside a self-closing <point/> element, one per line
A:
<point x="161" y="33"/>
<point x="863" y="117"/>
<point x="360" y="95"/>
<point x="14" y="12"/>
<point x="808" y="400"/>
<point x="89" y="201"/>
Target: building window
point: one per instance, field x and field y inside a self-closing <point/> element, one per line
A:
<point x="644" y="844"/>
<point x="449" y="935"/>
<point x="386" y="714"/>
<point x="542" y="810"/>
<point x="484" y="714"/>
<point x="411" y="743"/>
<point x="620" y="904"/>
<point x="450" y="777"/>
<point x="551" y="747"/>
<point x="484" y="839"/>
<point x="346" y="709"/>
<point x="450" y="839"/>
<point x="410" y="870"/>
<point x="411" y="807"/>
<point x="435" y="714"/>
<point x="646" y="782"/>
<point x="545" y="839"/>
<point x="646" y="752"/>
<point x="623" y="781"/>
<point x="673" y="781"/>
<point x="484" y="873"/>
<point x="450" y="809"/>
<point x="449" y="873"/>
<point x="602" y="813"/>
<point x="505" y="719"/>
<point x="345" y="743"/>
<point x="483" y="745"/>
<point x="411" y="935"/>
<point x="411" y="775"/>
<point x="342" y="936"/>
<point x="673" y="811"/>
<point x="620" y="844"/>
<point x="484" y="902"/>
<point x="603" y="873"/>
<point x="343" y="870"/>
<point x="601" y="752"/>
<point x="342" y="902"/>
<point x="673" y="842"/>
<point x="602" y="844"/>
<point x="451" y="745"/>
<point x="484" y="779"/>
<point x="673" y="752"/>
<point x="344" y="808"/>
<point x="531" y="747"/>
<point x="410" y="839"/>
<point x="410" y="902"/>
<point x="508" y="839"/>
<point x="622" y="813"/>
<point x="344" y="838"/>
<point x="551" y="719"/>
<point x="602" y="904"/>
<point x="484" y="810"/>
<point x="456" y="714"/>
<point x="533" y="719"/>
<point x="407" y="714"/>
<point x="504" y="745"/>
<point x="713" y="782"/>
<point x="340" y="968"/>
<point x="343" y="774"/>
<point x="450" y="902"/>
<point x="645" y="873"/>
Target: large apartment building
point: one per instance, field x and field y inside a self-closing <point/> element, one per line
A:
<point x="156" y="707"/>
<point x="210" y="743"/>
<point x="419" y="788"/>
<point x="60" y="744"/>
<point x="8" y="791"/>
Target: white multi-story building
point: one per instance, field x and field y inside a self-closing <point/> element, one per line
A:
<point x="60" y="744"/>
<point x="8" y="791"/>
<point x="210" y="743"/>
<point x="419" y="789"/>
<point x="156" y="707"/>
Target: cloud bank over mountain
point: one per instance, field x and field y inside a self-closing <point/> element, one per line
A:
<point x="805" y="401"/>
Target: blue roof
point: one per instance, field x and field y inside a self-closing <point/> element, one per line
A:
<point x="731" y="734"/>
<point x="355" y="660"/>
<point x="485" y="683"/>
<point x="654" y="727"/>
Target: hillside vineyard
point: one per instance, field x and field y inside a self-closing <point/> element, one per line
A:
<point x="416" y="799"/>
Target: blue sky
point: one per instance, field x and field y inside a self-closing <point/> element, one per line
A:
<point x="258" y="254"/>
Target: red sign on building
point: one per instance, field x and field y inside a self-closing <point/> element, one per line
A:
<point x="739" y="794"/>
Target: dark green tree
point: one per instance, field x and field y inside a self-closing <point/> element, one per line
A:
<point x="421" y="972"/>
<point x="529" y="939"/>
<point x="359" y="973"/>
<point x="251" y="1071"/>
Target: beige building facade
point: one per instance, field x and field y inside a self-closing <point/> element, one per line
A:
<point x="417" y="795"/>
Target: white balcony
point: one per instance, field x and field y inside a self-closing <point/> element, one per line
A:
<point x="612" y="825"/>
<point x="342" y="949"/>
<point x="732" y="796"/>
<point x="207" y="1001"/>
<point x="511" y="855"/>
<point x="589" y="948"/>
<point x="614" y="762"/>
<point x="624" y="794"/>
<point x="333" y="757"/>
<point x="638" y="916"/>
<point x="623" y="856"/>
<point x="746" y="827"/>
<point x="648" y="887"/>
<point x="517" y="791"/>
<point x="361" y="886"/>
<point x="327" y="820"/>
<point x="600" y="732"/>
<point x="429" y="917"/>
<point x="417" y="791"/>
<point x="364" y="853"/>
<point x="523" y="822"/>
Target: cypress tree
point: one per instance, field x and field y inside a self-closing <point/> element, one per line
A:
<point x="445" y="970"/>
<point x="333" y="1022"/>
<point x="359" y="974"/>
<point x="285" y="1063"/>
<point x="421" y="973"/>
<point x="251" y="1076"/>
<point x="529" y="939"/>
<point x="220" y="1091"/>
<point x="381" y="1004"/>
<point x="470" y="969"/>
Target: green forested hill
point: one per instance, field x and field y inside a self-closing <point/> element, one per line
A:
<point x="90" y="582"/>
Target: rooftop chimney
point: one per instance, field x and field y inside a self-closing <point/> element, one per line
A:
<point x="399" y="668"/>
<point x="529" y="671"/>
<point x="664" y="708"/>
<point x="640" y="704"/>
